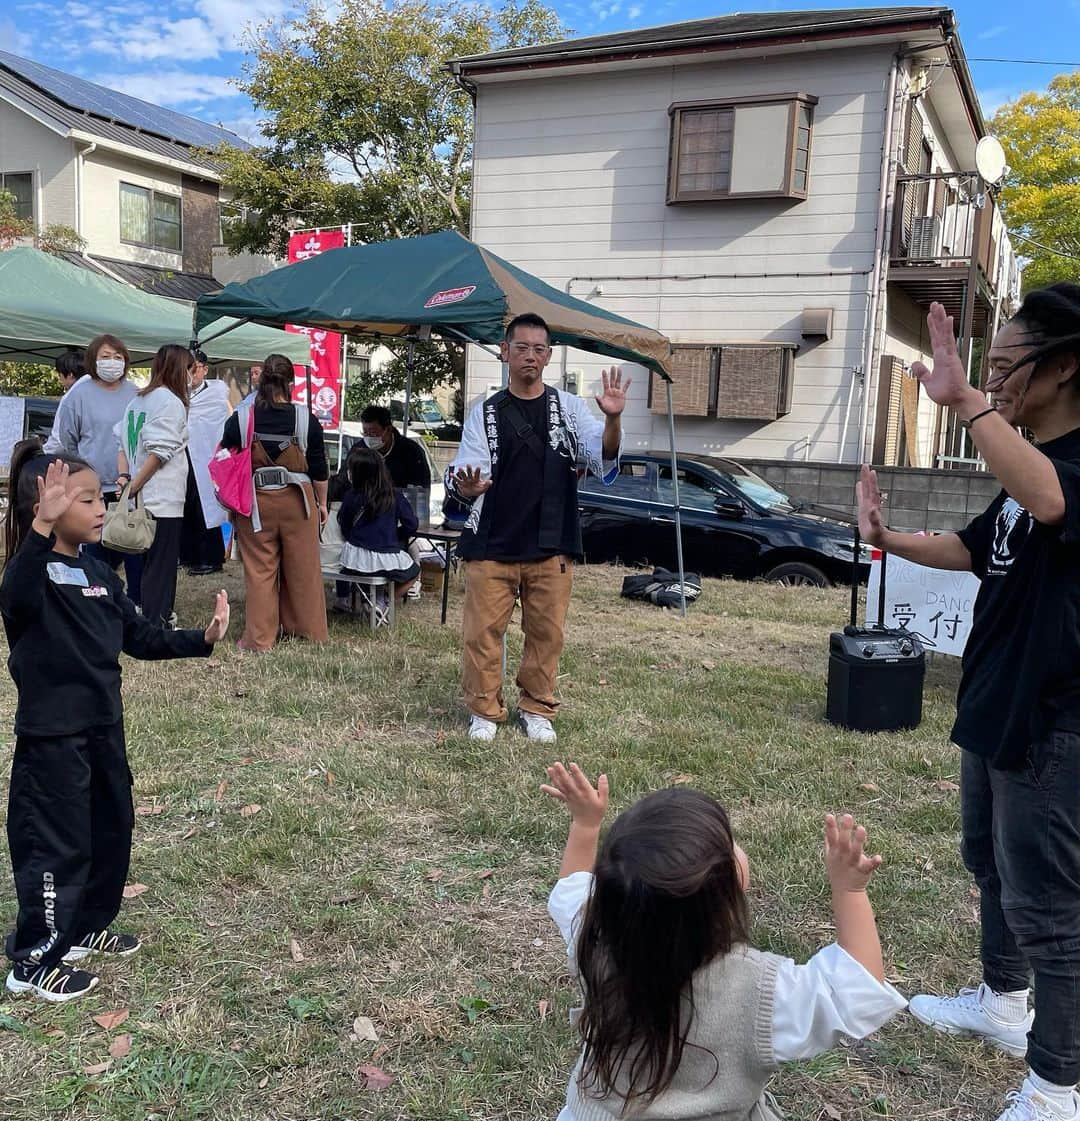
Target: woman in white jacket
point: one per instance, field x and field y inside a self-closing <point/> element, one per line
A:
<point x="153" y="436"/>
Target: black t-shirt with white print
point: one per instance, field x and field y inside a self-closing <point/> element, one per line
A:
<point x="1021" y="668"/>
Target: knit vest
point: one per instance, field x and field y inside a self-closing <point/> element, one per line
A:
<point x="728" y="1058"/>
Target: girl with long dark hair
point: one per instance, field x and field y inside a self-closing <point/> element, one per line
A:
<point x="279" y="542"/>
<point x="681" y="1017"/>
<point x="1018" y="705"/>
<point x="153" y="436"/>
<point x="373" y="518"/>
<point x="70" y="812"/>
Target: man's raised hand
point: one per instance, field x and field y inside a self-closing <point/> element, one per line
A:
<point x="868" y="497"/>
<point x="612" y="399"/>
<point x="469" y="482"/>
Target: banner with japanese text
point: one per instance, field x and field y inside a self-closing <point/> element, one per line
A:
<point x="325" y="400"/>
<point x="930" y="602"/>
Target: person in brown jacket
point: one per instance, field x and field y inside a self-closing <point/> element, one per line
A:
<point x="279" y="542"/>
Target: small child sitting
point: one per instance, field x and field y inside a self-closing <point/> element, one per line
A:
<point x="373" y="519"/>
<point x="681" y="1017"/>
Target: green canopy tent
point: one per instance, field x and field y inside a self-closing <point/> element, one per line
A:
<point x="48" y="304"/>
<point x="443" y="284"/>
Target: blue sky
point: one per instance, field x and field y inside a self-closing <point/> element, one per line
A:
<point x="182" y="53"/>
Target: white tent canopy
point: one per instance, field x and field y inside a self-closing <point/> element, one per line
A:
<point x="48" y="304"/>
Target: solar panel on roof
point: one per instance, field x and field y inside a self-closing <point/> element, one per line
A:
<point x="91" y="98"/>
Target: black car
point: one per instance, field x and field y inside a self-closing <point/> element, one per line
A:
<point x="40" y="414"/>
<point x="733" y="523"/>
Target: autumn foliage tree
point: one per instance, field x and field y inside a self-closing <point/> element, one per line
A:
<point x="1040" y="133"/>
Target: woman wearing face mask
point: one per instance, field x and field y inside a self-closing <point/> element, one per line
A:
<point x="84" y="428"/>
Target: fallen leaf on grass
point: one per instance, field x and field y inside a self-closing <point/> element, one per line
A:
<point x="434" y="875"/>
<point x="374" y="1078"/>
<point x="250" y="811"/>
<point x="263" y="1083"/>
<point x="97" y="1068"/>
<point x="485" y="873"/>
<point x="352" y="897"/>
<point x="329" y="778"/>
<point x="870" y="787"/>
<point x="212" y="664"/>
<point x="947" y="787"/>
<point x="294" y="950"/>
<point x="190" y="833"/>
<point x="120" y="1046"/>
<point x="708" y="663"/>
<point x="542" y="1008"/>
<point x="220" y="792"/>
<point x="110" y="1020"/>
<point x="56" y="1033"/>
<point x="832" y="1113"/>
<point x="363" y="1028"/>
<point x="133" y="891"/>
<point x="149" y="811"/>
<point x="681" y="780"/>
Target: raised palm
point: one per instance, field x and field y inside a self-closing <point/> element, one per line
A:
<point x="612" y="399"/>
<point x="947" y="382"/>
<point x="54" y="501"/>
<point x="868" y="496"/>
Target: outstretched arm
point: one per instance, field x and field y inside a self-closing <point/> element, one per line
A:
<point x="587" y="806"/>
<point x="849" y="871"/>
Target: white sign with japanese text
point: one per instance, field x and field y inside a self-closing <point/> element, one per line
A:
<point x="932" y="602"/>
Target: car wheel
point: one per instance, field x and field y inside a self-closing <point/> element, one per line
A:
<point x="796" y="574"/>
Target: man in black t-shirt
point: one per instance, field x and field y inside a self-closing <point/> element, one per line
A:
<point x="405" y="459"/>
<point x="1018" y="705"/>
<point x="518" y="469"/>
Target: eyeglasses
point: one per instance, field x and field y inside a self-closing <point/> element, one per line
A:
<point x="522" y="349"/>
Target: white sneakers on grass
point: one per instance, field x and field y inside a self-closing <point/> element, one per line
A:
<point x="1027" y="1104"/>
<point x="481" y="729"/>
<point x="539" y="729"/>
<point x="968" y="1014"/>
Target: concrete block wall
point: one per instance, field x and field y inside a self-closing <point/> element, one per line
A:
<point x="913" y="498"/>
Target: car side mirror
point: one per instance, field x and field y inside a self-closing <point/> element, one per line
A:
<point x="729" y="508"/>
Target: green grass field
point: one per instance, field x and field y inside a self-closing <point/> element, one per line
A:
<point x="320" y="842"/>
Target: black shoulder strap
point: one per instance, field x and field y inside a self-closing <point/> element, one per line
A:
<point x="523" y="428"/>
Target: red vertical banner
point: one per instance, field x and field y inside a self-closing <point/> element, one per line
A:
<point x="325" y="362"/>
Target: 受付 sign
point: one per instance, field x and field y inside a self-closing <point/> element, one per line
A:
<point x="931" y="602"/>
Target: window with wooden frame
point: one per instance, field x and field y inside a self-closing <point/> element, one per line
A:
<point x="728" y="381"/>
<point x="151" y="218"/>
<point x="741" y="147"/>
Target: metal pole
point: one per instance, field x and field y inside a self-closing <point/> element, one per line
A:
<point x="675" y="493"/>
<point x="409" y="360"/>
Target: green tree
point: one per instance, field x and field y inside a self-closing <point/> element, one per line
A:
<point x="363" y="122"/>
<point x="1040" y="133"/>
<point x="433" y="364"/>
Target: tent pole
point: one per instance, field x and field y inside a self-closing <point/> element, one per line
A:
<point x="409" y="360"/>
<point x="675" y="491"/>
<point x="217" y="334"/>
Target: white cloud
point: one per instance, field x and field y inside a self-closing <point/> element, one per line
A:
<point x="634" y="12"/>
<point x="992" y="32"/>
<point x="153" y="38"/>
<point x="14" y="40"/>
<point x="172" y="87"/>
<point x="228" y="20"/>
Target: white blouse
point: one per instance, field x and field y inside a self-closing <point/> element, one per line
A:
<point x="815" y="1004"/>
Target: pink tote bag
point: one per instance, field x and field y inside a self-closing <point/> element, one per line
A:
<point x="230" y="472"/>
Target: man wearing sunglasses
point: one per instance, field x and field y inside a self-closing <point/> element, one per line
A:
<point x="1018" y="705"/>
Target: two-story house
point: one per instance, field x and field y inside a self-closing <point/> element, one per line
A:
<point x="782" y="194"/>
<point x="131" y="178"/>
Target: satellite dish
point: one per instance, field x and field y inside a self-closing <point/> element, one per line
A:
<point x="990" y="160"/>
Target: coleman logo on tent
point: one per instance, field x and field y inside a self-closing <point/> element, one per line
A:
<point x="450" y="296"/>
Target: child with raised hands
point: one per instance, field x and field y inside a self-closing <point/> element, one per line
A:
<point x="70" y="812"/>
<point x="681" y="1017"/>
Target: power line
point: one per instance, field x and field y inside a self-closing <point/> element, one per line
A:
<point x="1044" y="248"/>
<point x="1026" y="61"/>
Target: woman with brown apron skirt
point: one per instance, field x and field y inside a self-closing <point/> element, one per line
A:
<point x="279" y="542"/>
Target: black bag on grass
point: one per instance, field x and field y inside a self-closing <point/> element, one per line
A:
<point x="661" y="588"/>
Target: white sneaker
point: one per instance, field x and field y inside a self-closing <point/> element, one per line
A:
<point x="482" y="729"/>
<point x="538" y="728"/>
<point x="1027" y="1104"/>
<point x="965" y="1014"/>
<point x="414" y="591"/>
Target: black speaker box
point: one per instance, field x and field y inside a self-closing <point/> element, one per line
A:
<point x="875" y="679"/>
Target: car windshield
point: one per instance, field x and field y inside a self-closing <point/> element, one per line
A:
<point x="757" y="490"/>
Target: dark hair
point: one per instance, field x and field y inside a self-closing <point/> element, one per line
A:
<point x="72" y="363"/>
<point x="667" y="899"/>
<point x="1052" y="317"/>
<point x="97" y="344"/>
<point x="28" y="464"/>
<point x="371" y="480"/>
<point x="169" y="370"/>
<point x="275" y="381"/>
<point x="527" y="320"/>
<point x="376" y="414"/>
<point x="200" y="356"/>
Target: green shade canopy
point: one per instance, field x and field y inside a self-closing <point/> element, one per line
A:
<point x="442" y="282"/>
<point x="47" y="304"/>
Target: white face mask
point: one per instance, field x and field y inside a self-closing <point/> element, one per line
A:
<point x="373" y="441"/>
<point x="110" y="369"/>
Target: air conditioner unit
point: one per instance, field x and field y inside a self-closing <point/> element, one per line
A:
<point x="925" y="239"/>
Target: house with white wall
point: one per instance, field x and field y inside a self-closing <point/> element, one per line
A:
<point x="782" y="194"/>
<point x="131" y="178"/>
